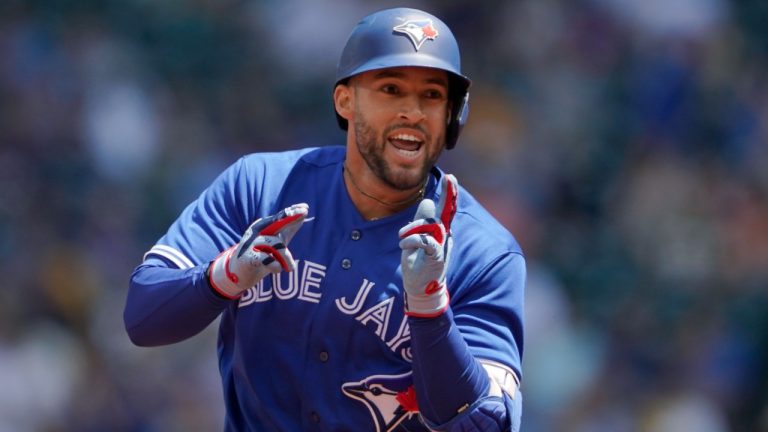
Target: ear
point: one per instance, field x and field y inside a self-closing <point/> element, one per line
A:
<point x="342" y="99"/>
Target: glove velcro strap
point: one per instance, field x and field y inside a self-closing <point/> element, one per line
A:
<point x="432" y="304"/>
<point x="221" y="278"/>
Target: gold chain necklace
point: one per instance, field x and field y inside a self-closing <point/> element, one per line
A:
<point x="419" y="193"/>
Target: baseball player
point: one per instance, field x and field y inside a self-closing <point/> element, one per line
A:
<point x="360" y="288"/>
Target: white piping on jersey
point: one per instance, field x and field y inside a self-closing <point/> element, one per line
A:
<point x="502" y="378"/>
<point x="309" y="219"/>
<point x="170" y="254"/>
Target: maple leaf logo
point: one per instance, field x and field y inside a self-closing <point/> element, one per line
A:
<point x="418" y="31"/>
<point x="429" y="32"/>
<point x="407" y="400"/>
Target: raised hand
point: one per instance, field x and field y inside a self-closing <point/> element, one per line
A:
<point x="262" y="250"/>
<point x="426" y="244"/>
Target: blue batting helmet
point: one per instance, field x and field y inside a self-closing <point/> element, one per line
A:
<point x="407" y="37"/>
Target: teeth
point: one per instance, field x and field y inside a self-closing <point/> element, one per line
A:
<point x="406" y="137"/>
<point x="406" y="152"/>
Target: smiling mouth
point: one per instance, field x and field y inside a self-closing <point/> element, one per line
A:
<point x="406" y="144"/>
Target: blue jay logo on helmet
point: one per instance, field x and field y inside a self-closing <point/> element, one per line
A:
<point x="418" y="31"/>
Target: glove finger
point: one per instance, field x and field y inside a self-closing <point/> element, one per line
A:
<point x="413" y="225"/>
<point x="263" y="246"/>
<point x="290" y="230"/>
<point x="277" y="252"/>
<point x="271" y="264"/>
<point x="421" y="241"/>
<point x="431" y="227"/>
<point x="447" y="205"/>
<point x="287" y="221"/>
<point x="448" y="247"/>
<point x="426" y="210"/>
<point x="280" y="260"/>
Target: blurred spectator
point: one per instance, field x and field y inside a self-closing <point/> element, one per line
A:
<point x="622" y="141"/>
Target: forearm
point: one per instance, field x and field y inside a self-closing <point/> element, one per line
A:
<point x="446" y="376"/>
<point x="167" y="305"/>
<point x="452" y="387"/>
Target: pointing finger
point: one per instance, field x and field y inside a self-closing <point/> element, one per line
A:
<point x="447" y="205"/>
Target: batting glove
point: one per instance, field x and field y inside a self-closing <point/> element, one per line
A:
<point x="262" y="250"/>
<point x="426" y="243"/>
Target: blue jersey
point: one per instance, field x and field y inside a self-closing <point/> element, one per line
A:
<point x="327" y="346"/>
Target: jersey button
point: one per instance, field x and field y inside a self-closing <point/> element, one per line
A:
<point x="323" y="356"/>
<point x="346" y="263"/>
<point x="314" y="416"/>
<point x="355" y="235"/>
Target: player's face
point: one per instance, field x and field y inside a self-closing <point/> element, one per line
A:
<point x="399" y="122"/>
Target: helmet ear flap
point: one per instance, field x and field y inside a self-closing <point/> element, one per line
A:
<point x="457" y="118"/>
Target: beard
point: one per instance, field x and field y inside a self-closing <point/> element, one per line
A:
<point x="372" y="145"/>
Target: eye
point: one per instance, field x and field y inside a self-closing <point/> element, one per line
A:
<point x="434" y="94"/>
<point x="390" y="89"/>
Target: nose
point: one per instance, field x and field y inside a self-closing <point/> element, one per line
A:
<point x="411" y="110"/>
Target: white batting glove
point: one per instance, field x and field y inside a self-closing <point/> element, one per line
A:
<point x="262" y="250"/>
<point x="426" y="243"/>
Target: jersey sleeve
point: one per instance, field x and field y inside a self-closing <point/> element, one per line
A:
<point x="167" y="305"/>
<point x="488" y="309"/>
<point x="169" y="297"/>
<point x="212" y="223"/>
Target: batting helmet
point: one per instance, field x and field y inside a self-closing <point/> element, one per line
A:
<point x="407" y="37"/>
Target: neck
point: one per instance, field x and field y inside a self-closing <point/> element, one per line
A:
<point x="373" y="206"/>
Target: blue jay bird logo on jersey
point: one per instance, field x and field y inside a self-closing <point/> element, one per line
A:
<point x="390" y="399"/>
<point x="418" y="31"/>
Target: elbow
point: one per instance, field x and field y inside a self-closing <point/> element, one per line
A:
<point x="143" y="334"/>
<point x="137" y="338"/>
<point x="147" y="334"/>
<point x="163" y="307"/>
<point x="137" y="335"/>
<point x="135" y="317"/>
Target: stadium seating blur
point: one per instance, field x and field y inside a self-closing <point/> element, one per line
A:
<point x="620" y="141"/>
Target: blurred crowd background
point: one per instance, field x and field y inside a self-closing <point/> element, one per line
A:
<point x="623" y="142"/>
